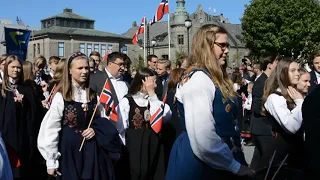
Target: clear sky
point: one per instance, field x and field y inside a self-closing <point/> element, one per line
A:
<point x="112" y="16"/>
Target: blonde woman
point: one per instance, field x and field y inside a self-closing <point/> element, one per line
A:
<point x="66" y="124"/>
<point x="209" y="146"/>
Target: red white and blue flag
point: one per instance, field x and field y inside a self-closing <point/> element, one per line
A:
<point x="107" y="100"/>
<point x="162" y="10"/>
<point x="140" y="30"/>
<point x="157" y="118"/>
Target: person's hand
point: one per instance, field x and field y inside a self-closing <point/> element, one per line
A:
<point x="294" y="94"/>
<point x="53" y="172"/>
<point x="44" y="86"/>
<point x="149" y="84"/>
<point x="88" y="133"/>
<point x="44" y="103"/>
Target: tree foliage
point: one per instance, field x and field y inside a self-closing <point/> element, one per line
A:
<point x="139" y="63"/>
<point x="289" y="27"/>
<point x="180" y="53"/>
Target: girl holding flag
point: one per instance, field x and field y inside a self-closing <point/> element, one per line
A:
<point x="142" y="114"/>
<point x="66" y="124"/>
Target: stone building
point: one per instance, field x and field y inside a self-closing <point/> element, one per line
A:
<point x="179" y="35"/>
<point x="62" y="34"/>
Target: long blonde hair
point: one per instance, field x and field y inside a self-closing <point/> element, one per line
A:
<point x="6" y="85"/>
<point x="203" y="56"/>
<point x="28" y="70"/>
<point x="66" y="82"/>
<point x="57" y="76"/>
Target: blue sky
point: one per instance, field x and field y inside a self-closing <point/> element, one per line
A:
<point x="111" y="16"/>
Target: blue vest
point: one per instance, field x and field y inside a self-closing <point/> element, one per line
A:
<point x="224" y="113"/>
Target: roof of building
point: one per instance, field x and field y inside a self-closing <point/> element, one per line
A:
<point x="77" y="31"/>
<point x="159" y="31"/>
<point x="68" y="14"/>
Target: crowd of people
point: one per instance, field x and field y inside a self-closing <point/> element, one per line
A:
<point x="92" y="119"/>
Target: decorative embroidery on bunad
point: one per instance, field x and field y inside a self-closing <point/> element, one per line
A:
<point x="70" y="115"/>
<point x="137" y="119"/>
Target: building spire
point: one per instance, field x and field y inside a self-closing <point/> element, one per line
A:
<point x="180" y="15"/>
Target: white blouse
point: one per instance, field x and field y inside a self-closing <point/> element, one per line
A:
<point x="277" y="107"/>
<point x="141" y="100"/>
<point x="247" y="104"/>
<point x="197" y="96"/>
<point x="48" y="137"/>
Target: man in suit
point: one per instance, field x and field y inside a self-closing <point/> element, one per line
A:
<point x="114" y="68"/>
<point x="311" y="120"/>
<point x="163" y="68"/>
<point x="315" y="73"/>
<point x="152" y="61"/>
<point x="260" y="130"/>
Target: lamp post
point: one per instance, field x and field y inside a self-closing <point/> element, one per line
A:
<point x="153" y="42"/>
<point x="188" y="24"/>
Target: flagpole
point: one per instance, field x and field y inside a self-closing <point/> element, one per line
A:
<point x="169" y="33"/>
<point x="144" y="40"/>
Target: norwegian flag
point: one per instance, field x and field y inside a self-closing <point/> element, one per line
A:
<point x="157" y="118"/>
<point x="140" y="30"/>
<point x="107" y="100"/>
<point x="162" y="10"/>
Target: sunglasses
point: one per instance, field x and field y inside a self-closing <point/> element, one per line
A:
<point x="223" y="46"/>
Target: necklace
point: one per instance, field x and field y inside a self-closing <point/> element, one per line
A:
<point x="83" y="105"/>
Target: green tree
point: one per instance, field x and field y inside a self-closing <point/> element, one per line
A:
<point x="180" y="53"/>
<point x="289" y="27"/>
<point x="139" y="63"/>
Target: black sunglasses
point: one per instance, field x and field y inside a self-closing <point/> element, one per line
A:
<point x="223" y="46"/>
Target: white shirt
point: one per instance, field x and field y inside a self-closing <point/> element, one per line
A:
<point x="141" y="100"/>
<point x="197" y="96"/>
<point x="247" y="104"/>
<point x="120" y="86"/>
<point x="257" y="77"/>
<point x="289" y="120"/>
<point x="48" y="137"/>
<point x="1" y="76"/>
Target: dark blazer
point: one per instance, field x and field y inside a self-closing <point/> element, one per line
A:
<point x="313" y="81"/>
<point x="97" y="81"/>
<point x="311" y="120"/>
<point x="258" y="122"/>
<point x="161" y="89"/>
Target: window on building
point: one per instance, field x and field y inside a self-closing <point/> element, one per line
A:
<point x="65" y="23"/>
<point x="81" y="24"/>
<point x="109" y="48"/>
<point x="61" y="49"/>
<point x="82" y="48"/>
<point x="124" y="49"/>
<point x="89" y="49"/>
<point x="52" y="22"/>
<point x="103" y="50"/>
<point x="165" y="56"/>
<point x="34" y="50"/>
<point x="38" y="48"/>
<point x="88" y="25"/>
<point x="96" y="47"/>
<point x="180" y="40"/>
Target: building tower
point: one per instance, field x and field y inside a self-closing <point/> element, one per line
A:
<point x="178" y="30"/>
